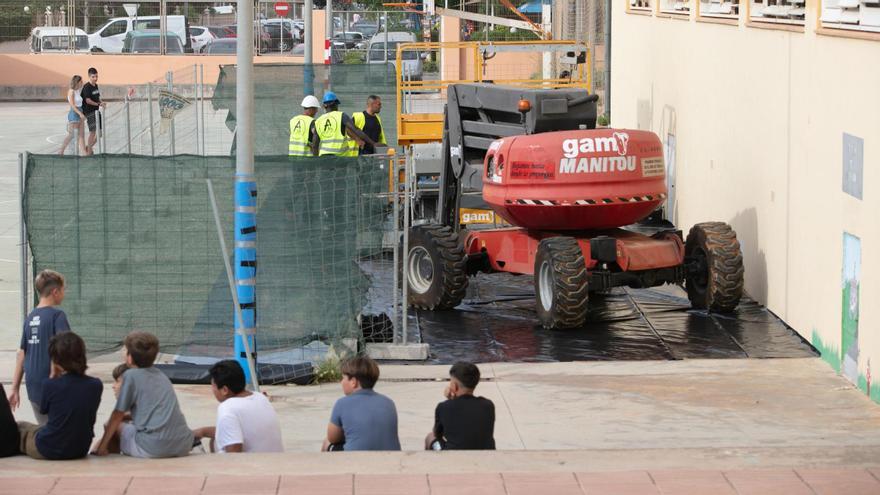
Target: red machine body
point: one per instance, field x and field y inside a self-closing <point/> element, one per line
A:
<point x="575" y="180"/>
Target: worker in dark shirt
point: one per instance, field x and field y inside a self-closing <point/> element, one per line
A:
<point x="369" y="122"/>
<point x="463" y="421"/>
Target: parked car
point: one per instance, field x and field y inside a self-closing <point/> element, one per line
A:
<point x="220" y="32"/>
<point x="200" y="37"/>
<point x="378" y="53"/>
<point x="366" y="28"/>
<point x="350" y="40"/>
<point x="147" y="41"/>
<point x="296" y="28"/>
<point x="223" y="46"/>
<point x="111" y="35"/>
<point x="57" y="39"/>
<point x="280" y="38"/>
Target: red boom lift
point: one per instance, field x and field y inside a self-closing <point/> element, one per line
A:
<point x="582" y="202"/>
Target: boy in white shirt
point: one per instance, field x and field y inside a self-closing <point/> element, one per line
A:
<point x="246" y="422"/>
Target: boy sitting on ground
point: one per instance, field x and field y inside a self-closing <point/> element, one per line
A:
<point x="246" y="422"/>
<point x="157" y="427"/>
<point x="70" y="400"/>
<point x="40" y="326"/>
<point x="463" y="421"/>
<point x="363" y="419"/>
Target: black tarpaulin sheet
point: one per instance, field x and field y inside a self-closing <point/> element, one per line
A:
<point x="497" y="323"/>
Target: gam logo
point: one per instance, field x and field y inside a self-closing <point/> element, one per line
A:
<point x="478" y="217"/>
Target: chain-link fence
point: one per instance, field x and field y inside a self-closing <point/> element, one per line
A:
<point x="137" y="242"/>
<point x="584" y="21"/>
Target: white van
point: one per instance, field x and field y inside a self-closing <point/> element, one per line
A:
<point x="111" y="36"/>
<point x="57" y="39"/>
<point x="378" y="51"/>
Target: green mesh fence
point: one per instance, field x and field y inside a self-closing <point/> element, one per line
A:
<point x="135" y="238"/>
<point x="280" y="88"/>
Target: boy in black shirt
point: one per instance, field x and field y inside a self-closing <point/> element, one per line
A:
<point x="463" y="422"/>
<point x="91" y="97"/>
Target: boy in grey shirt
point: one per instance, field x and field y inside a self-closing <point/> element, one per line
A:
<point x="157" y="427"/>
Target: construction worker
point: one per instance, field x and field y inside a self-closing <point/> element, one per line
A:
<point x="335" y="131"/>
<point x="369" y="122"/>
<point x="301" y="129"/>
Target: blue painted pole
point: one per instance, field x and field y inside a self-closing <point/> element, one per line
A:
<point x="245" y="262"/>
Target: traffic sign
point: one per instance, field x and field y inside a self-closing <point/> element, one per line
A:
<point x="282" y="8"/>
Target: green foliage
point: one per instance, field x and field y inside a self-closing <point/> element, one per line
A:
<point x="328" y="370"/>
<point x="602" y="120"/>
<point x="431" y="66"/>
<point x="504" y="33"/>
<point x="16" y="23"/>
<point x="353" y="57"/>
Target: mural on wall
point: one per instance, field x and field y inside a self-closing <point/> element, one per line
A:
<point x="849" y="341"/>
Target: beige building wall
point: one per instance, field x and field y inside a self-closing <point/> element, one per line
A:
<point x="758" y="117"/>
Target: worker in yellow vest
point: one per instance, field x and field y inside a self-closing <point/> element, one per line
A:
<point x="302" y="127"/>
<point x="335" y="131"/>
<point x="369" y="122"/>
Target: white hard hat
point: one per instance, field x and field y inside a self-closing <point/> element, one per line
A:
<point x="311" y="102"/>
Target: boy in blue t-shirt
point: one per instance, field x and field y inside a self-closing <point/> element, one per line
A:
<point x="43" y="323"/>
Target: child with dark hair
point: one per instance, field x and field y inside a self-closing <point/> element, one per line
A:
<point x="44" y="322"/>
<point x="363" y="419"/>
<point x="70" y="400"/>
<point x="463" y="421"/>
<point x="157" y="427"/>
<point x="246" y="422"/>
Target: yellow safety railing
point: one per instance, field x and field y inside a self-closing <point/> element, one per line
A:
<point x="425" y="126"/>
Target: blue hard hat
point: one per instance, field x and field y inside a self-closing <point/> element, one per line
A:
<point x="330" y="97"/>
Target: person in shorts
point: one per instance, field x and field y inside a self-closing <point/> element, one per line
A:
<point x="91" y="98"/>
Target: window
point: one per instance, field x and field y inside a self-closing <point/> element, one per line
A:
<point x="727" y="9"/>
<point x="861" y="15"/>
<point x="140" y="25"/>
<point x="777" y="11"/>
<point x="675" y="7"/>
<point x="117" y="27"/>
<point x="640" y="5"/>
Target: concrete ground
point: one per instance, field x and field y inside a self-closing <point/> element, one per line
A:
<point x="745" y="425"/>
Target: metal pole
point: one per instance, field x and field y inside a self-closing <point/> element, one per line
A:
<point x="150" y="106"/>
<point x="407" y="175"/>
<point x="22" y="160"/>
<point x="102" y="136"/>
<point x="608" y="59"/>
<point x="196" y="97"/>
<point x="328" y="33"/>
<point x="385" y="25"/>
<point x="395" y="181"/>
<point x="245" y="187"/>
<point x="204" y="125"/>
<point x="169" y="76"/>
<point x="238" y="316"/>
<point x="308" y="58"/>
<point x="127" y="126"/>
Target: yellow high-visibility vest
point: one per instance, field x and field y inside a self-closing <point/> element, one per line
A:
<point x="299" y="136"/>
<point x="333" y="139"/>
<point x="360" y="121"/>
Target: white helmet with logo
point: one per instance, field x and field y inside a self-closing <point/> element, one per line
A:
<point x="311" y="102"/>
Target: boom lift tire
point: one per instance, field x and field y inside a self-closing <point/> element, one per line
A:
<point x="714" y="279"/>
<point x="561" y="283"/>
<point x="436" y="271"/>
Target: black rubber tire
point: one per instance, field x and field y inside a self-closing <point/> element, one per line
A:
<point x="441" y="248"/>
<point x="568" y="272"/>
<point x="718" y="286"/>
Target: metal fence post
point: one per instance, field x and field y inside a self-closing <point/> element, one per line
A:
<point x="195" y="87"/>
<point x="22" y="160"/>
<point x="395" y="196"/>
<point x="407" y="175"/>
<point x="169" y="76"/>
<point x="150" y="106"/>
<point x="204" y="125"/>
<point x="127" y="125"/>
